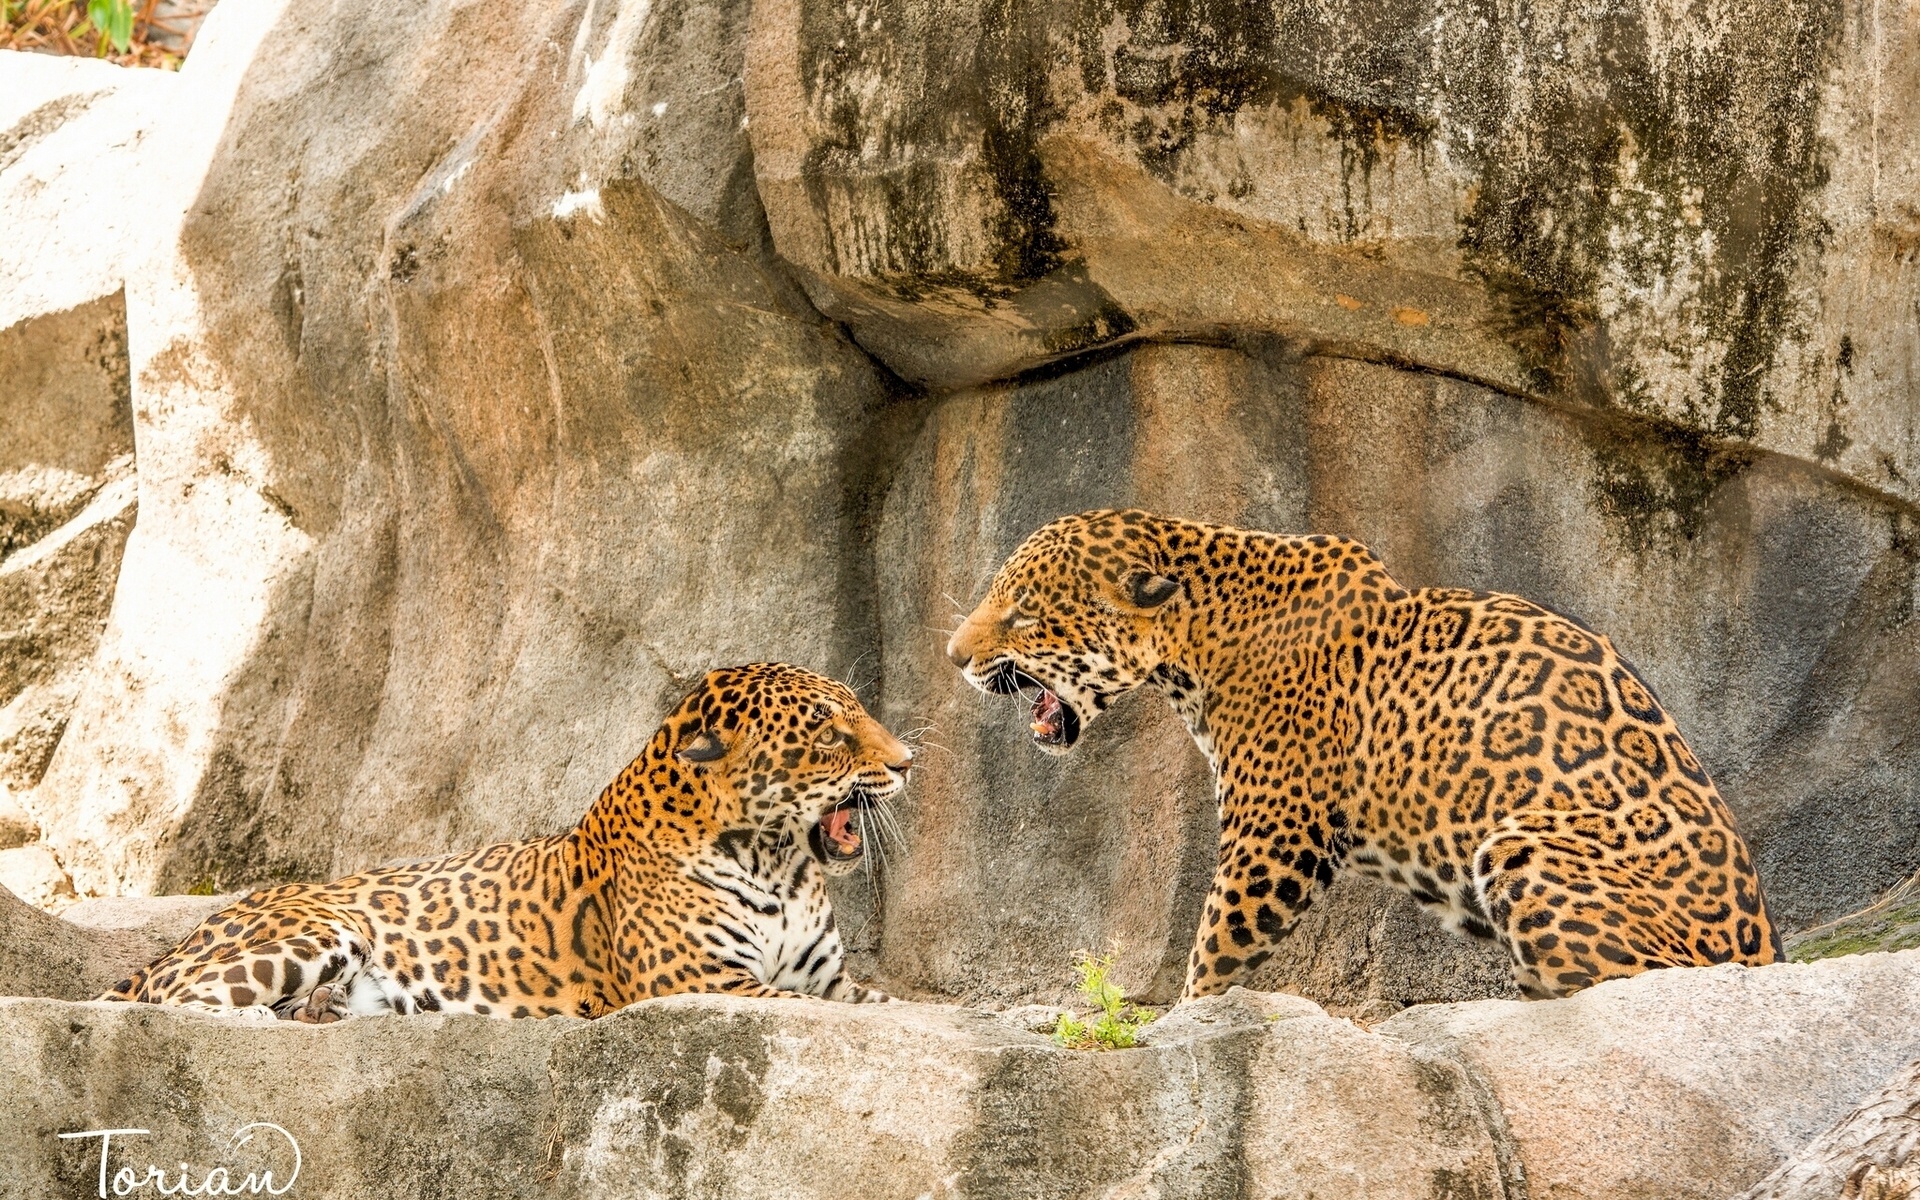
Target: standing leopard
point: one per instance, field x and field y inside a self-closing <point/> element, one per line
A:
<point x="699" y="869"/>
<point x="1500" y="762"/>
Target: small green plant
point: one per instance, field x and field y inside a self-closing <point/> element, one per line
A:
<point x="114" y="20"/>
<point x="202" y="886"/>
<point x="1116" y="1025"/>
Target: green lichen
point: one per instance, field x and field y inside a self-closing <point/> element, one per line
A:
<point x="1889" y="923"/>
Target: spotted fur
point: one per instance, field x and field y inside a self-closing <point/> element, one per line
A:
<point x="699" y="869"/>
<point x="1500" y="762"/>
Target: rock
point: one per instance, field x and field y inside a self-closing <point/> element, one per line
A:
<point x="41" y="955"/>
<point x="710" y="1095"/>
<point x="94" y="946"/>
<point x="32" y="873"/>
<point x="376" y="1107"/>
<point x="132" y="931"/>
<point x="73" y="138"/>
<point x="73" y="135"/>
<point x="55" y="594"/>
<point x="577" y="349"/>
<point x="1680" y="1083"/>
<point x="1676" y="1084"/>
<point x="1555" y="205"/>
<point x="16" y="827"/>
<point x="373" y="609"/>
<point x="1453" y="484"/>
<point x="1869" y="1155"/>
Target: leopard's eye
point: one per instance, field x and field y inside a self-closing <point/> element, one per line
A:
<point x="830" y="736"/>
<point x="1022" y="621"/>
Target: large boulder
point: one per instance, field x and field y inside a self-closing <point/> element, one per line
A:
<point x="1671" y="1086"/>
<point x="1680" y="1083"/>
<point x="74" y="155"/>
<point x="464" y="448"/>
<point x="1690" y="214"/>
<point x="1767" y="596"/>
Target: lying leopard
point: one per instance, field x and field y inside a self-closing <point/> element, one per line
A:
<point x="697" y="870"/>
<point x="1498" y="761"/>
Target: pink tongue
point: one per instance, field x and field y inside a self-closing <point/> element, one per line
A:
<point x="836" y="824"/>
<point x="1046" y="715"/>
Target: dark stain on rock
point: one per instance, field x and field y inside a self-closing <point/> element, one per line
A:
<point x="1187" y="68"/>
<point x="1044" y="1120"/>
<point x="1656" y="482"/>
<point x="694" y="1085"/>
<point x="1013" y="57"/>
<point x="993" y="90"/>
<point x="1542" y="324"/>
<point x="1579" y="181"/>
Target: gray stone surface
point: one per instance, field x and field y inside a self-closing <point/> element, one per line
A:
<point x="704" y="1096"/>
<point x="1873" y="1153"/>
<point x="1700" y="215"/>
<point x="1674" y="1085"/>
<point x="464" y="450"/>
<point x="73" y="147"/>
<point x="1681" y="1083"/>
<point x="94" y="945"/>
<point x="1767" y="603"/>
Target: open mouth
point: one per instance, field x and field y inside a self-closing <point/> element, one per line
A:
<point x="836" y="836"/>
<point x="1055" y="725"/>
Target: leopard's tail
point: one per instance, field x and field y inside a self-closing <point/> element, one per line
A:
<point x="128" y="989"/>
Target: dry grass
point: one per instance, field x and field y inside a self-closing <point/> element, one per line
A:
<point x="159" y="32"/>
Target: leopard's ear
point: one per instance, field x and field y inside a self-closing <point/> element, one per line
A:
<point x="700" y="746"/>
<point x="1144" y="589"/>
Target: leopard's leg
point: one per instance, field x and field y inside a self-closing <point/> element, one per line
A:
<point x="1268" y="872"/>
<point x="314" y="966"/>
<point x="845" y="990"/>
<point x="1568" y="918"/>
<point x="733" y="981"/>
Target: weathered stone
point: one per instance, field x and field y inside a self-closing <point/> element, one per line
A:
<point x="464" y="447"/>
<point x="41" y="955"/>
<point x="477" y="414"/>
<point x="31" y="872"/>
<point x="74" y="134"/>
<point x="1695" y="216"/>
<point x="417" y="1106"/>
<point x="1676" y="1084"/>
<point x="92" y="947"/>
<point x="699" y="1096"/>
<point x="1681" y="1083"/>
<point x="1873" y="1153"/>
<point x="73" y="139"/>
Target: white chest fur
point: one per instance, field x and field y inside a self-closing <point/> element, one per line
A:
<point x="773" y="915"/>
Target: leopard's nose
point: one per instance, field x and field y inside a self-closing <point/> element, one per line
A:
<point x="903" y="766"/>
<point x="960" y="645"/>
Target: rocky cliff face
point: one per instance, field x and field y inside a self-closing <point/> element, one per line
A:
<point x="493" y="370"/>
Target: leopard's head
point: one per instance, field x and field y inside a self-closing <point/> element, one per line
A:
<point x="1069" y="619"/>
<point x="785" y="753"/>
